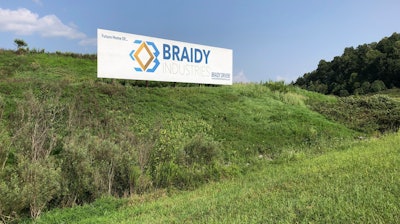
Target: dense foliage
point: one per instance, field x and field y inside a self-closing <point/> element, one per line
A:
<point x="367" y="114"/>
<point x="358" y="184"/>
<point x="365" y="69"/>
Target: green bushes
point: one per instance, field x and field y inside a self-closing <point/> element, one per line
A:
<point x="178" y="158"/>
<point x="62" y="146"/>
<point x="200" y="150"/>
<point x="94" y="166"/>
<point x="368" y="114"/>
<point x="359" y="184"/>
<point x="30" y="175"/>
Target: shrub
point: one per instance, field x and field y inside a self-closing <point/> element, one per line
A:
<point x="183" y="155"/>
<point x="378" y="86"/>
<point x="277" y="86"/>
<point x="200" y="150"/>
<point x="29" y="170"/>
<point x="94" y="167"/>
<point x="368" y="114"/>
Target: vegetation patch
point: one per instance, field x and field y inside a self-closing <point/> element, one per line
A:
<point x="367" y="114"/>
<point x="368" y="68"/>
<point x="70" y="140"/>
<point x="356" y="185"/>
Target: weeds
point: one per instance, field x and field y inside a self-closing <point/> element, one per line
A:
<point x="356" y="185"/>
<point x="368" y="114"/>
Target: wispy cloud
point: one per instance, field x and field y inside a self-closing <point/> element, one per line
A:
<point x="39" y="2"/>
<point x="88" y="42"/>
<point x="24" y="22"/>
<point x="240" y="78"/>
<point x="280" y="78"/>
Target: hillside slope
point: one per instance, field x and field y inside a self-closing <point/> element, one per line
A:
<point x="68" y="138"/>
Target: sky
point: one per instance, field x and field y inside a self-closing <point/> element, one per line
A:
<point x="272" y="40"/>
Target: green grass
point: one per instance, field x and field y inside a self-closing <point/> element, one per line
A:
<point x="46" y="66"/>
<point x="356" y="185"/>
<point x="394" y="93"/>
<point x="275" y="156"/>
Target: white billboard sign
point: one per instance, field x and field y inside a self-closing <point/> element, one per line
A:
<point x="136" y="57"/>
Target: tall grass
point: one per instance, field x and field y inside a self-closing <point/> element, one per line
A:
<point x="356" y="185"/>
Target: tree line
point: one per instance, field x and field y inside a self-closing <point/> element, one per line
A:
<point x="368" y="68"/>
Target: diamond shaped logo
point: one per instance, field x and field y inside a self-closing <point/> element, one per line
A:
<point x="145" y="55"/>
<point x="144" y="52"/>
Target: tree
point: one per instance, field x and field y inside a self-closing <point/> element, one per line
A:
<point x="367" y="68"/>
<point x="22" y="46"/>
<point x="377" y="86"/>
<point x="366" y="87"/>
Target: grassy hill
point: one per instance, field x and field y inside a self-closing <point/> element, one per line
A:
<point x="178" y="152"/>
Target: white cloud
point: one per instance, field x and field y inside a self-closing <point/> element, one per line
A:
<point x="240" y="77"/>
<point x="39" y="2"/>
<point x="280" y="78"/>
<point x="284" y="79"/>
<point x="25" y="22"/>
<point x="88" y="42"/>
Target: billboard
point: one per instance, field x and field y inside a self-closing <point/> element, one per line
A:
<point x="136" y="57"/>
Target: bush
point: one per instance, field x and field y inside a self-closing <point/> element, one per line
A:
<point x="368" y="114"/>
<point x="277" y="86"/>
<point x="378" y="86"/>
<point x="180" y="160"/>
<point x="200" y="150"/>
<point x="94" y="167"/>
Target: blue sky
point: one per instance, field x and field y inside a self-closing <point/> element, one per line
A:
<point x="271" y="40"/>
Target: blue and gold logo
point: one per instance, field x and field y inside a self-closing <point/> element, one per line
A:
<point x="145" y="55"/>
